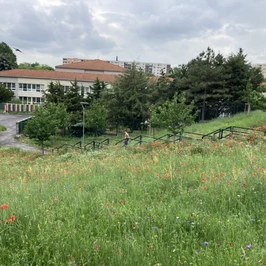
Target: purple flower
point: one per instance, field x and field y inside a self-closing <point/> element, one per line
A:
<point x="206" y="244"/>
<point x="248" y="246"/>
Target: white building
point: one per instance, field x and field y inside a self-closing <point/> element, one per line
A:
<point x="262" y="67"/>
<point x="28" y="85"/>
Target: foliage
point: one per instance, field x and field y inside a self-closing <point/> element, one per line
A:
<point x="42" y="125"/>
<point x="8" y="59"/>
<point x="128" y="101"/>
<point x="96" y="90"/>
<point x="35" y="65"/>
<point x="55" y="93"/>
<point x="110" y="208"/>
<point x="174" y="115"/>
<point x="5" y="94"/>
<point x="96" y="116"/>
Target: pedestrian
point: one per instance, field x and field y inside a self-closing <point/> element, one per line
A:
<point x="126" y="138"/>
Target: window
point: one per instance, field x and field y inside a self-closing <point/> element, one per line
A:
<point x="24" y="87"/>
<point x="38" y="87"/>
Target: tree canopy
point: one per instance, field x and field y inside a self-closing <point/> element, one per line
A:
<point x="8" y="59"/>
<point x="35" y="65"/>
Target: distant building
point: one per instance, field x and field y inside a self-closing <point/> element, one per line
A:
<point x="151" y="68"/>
<point x="95" y="66"/>
<point x="262" y="67"/>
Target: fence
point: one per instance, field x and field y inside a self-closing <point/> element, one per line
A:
<point x="21" y="125"/>
<point x="26" y="108"/>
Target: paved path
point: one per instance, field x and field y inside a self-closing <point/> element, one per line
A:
<point x="7" y="137"/>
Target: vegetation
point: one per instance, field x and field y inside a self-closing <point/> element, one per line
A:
<point x="35" y="65"/>
<point x="183" y="204"/>
<point x="2" y="128"/>
<point x="5" y="94"/>
<point x="8" y="59"/>
<point x="45" y="122"/>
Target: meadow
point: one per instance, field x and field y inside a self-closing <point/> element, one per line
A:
<point x="189" y="203"/>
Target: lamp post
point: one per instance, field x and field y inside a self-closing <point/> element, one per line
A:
<point x="83" y="126"/>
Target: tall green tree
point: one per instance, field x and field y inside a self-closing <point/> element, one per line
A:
<point x="55" y="93"/>
<point x="8" y="59"/>
<point x="205" y="82"/>
<point x="96" y="89"/>
<point x="129" y="98"/>
<point x="73" y="98"/>
<point x="238" y="70"/>
<point x="6" y="94"/>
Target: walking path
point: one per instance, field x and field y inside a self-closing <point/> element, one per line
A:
<point x="7" y="137"/>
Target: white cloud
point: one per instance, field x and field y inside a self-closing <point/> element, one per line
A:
<point x="145" y="30"/>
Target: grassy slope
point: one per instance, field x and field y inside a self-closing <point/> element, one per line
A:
<point x="253" y="119"/>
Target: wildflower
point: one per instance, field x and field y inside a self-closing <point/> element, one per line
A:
<point x="248" y="246"/>
<point x="155" y="227"/>
<point x="123" y="201"/>
<point x="206" y="244"/>
<point x="231" y="244"/>
<point x="4" y="206"/>
<point x="12" y="218"/>
<point x="80" y="186"/>
<point x="107" y="204"/>
<point x="203" y="180"/>
<point x="243" y="185"/>
<point x="97" y="247"/>
<point x="205" y="188"/>
<point x="252" y="220"/>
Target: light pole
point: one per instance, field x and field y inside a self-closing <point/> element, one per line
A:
<point x="83" y="126"/>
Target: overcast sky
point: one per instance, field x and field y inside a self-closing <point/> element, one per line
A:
<point x="166" y="31"/>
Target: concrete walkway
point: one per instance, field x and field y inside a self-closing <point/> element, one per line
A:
<point x="7" y="137"/>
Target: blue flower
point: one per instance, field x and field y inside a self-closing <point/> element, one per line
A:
<point x="206" y="244"/>
<point x="248" y="246"/>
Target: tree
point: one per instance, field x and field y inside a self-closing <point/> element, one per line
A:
<point x="129" y="98"/>
<point x="97" y="88"/>
<point x="96" y="117"/>
<point x="35" y="65"/>
<point x="55" y="93"/>
<point x="41" y="126"/>
<point x="8" y="59"/>
<point x="174" y="115"/>
<point x="5" y="94"/>
<point x="73" y="98"/>
<point x="238" y="70"/>
<point x="205" y="84"/>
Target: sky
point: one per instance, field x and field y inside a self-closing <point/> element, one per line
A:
<point x="158" y="31"/>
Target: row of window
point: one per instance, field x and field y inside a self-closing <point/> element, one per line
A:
<point x="31" y="87"/>
<point x="31" y="100"/>
<point x="9" y="85"/>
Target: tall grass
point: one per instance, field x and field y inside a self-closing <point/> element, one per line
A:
<point x="185" y="204"/>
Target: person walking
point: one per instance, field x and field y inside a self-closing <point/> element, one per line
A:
<point x="126" y="139"/>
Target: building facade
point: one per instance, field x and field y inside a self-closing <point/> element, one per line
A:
<point x="150" y="68"/>
<point x="28" y="85"/>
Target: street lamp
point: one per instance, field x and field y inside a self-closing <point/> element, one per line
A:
<point x="83" y="127"/>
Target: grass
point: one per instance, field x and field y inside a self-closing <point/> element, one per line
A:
<point x="185" y="204"/>
<point x="253" y="119"/>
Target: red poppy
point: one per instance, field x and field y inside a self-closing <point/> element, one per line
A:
<point x="12" y="218"/>
<point x="4" y="206"/>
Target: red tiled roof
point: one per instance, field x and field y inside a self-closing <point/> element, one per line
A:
<point x="95" y="65"/>
<point x="56" y="75"/>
